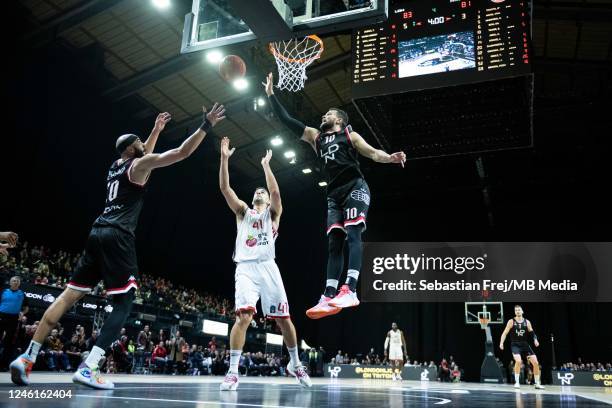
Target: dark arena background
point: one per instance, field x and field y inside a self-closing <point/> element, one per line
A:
<point x="518" y="154"/>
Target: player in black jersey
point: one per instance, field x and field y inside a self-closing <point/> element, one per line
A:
<point x="519" y="328"/>
<point x="348" y="196"/>
<point x="110" y="252"/>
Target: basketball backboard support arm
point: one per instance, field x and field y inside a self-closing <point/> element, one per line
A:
<point x="278" y="24"/>
<point x="215" y="23"/>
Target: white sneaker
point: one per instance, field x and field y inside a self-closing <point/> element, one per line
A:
<point x="92" y="378"/>
<point x="399" y="377"/>
<point x="322" y="309"/>
<point x="539" y="387"/>
<point x="517" y="385"/>
<point x="393" y="378"/>
<point x="230" y="382"/>
<point x="20" y="370"/>
<point x="300" y="374"/>
<point x="345" y="298"/>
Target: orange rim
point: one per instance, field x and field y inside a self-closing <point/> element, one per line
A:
<point x="300" y="60"/>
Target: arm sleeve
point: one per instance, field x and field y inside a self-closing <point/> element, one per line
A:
<point x="294" y="125"/>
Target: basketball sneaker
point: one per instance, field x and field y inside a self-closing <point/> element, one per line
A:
<point x="393" y="378"/>
<point x="20" y="370"/>
<point x="322" y="309"/>
<point x="517" y="385"/>
<point x="539" y="387"/>
<point x="399" y="377"/>
<point x="90" y="376"/>
<point x="345" y="298"/>
<point x="300" y="374"/>
<point x="230" y="382"/>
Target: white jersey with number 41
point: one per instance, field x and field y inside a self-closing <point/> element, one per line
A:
<point x="255" y="237"/>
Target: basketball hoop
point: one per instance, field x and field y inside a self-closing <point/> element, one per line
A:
<point x="292" y="57"/>
<point x="484" y="322"/>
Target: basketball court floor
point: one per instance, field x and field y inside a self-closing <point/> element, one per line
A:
<point x="164" y="391"/>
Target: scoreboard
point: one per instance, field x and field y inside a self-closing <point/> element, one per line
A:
<point x="436" y="43"/>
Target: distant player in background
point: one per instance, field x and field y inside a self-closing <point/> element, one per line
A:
<point x="256" y="272"/>
<point x="348" y="196"/>
<point x="395" y="348"/>
<point x="519" y="327"/>
<point x="110" y="251"/>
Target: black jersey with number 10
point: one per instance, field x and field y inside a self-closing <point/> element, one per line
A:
<point x="340" y="158"/>
<point x="124" y="198"/>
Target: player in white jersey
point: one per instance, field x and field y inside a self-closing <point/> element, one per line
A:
<point x="257" y="275"/>
<point x="395" y="344"/>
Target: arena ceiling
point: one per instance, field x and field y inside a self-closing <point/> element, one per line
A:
<point x="141" y="69"/>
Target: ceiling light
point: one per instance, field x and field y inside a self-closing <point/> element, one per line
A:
<point x="241" y="84"/>
<point x="306" y="171"/>
<point x="214" y="56"/>
<point x="322" y="183"/>
<point x="290" y="154"/>
<point x="276" y="141"/>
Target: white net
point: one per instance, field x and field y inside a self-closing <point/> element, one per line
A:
<point x="292" y="57"/>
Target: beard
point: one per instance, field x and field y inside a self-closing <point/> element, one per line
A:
<point x="258" y="201"/>
<point x="325" y="126"/>
<point x="138" y="153"/>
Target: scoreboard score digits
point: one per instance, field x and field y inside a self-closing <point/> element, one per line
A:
<point x="435" y="43"/>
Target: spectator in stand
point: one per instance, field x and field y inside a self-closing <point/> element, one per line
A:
<point x="339" y="357"/>
<point x="443" y="372"/>
<point x="212" y="344"/>
<point x="160" y="356"/>
<point x="56" y="358"/>
<point x="161" y="336"/>
<point x="455" y="374"/>
<point x="92" y="340"/>
<point x="143" y="339"/>
<point x="120" y="354"/>
<point x="13" y="304"/>
<point x="74" y="350"/>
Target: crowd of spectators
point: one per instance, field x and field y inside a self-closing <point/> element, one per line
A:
<point x="41" y="266"/>
<point x="447" y="370"/>
<point x="580" y="366"/>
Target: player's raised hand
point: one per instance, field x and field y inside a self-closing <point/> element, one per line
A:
<point x="265" y="161"/>
<point x="269" y="84"/>
<point x="10" y="238"/>
<point x="161" y="120"/>
<point x="226" y="152"/>
<point x="216" y="114"/>
<point x="398" y="157"/>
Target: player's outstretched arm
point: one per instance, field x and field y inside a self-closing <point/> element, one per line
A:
<point x="160" y="124"/>
<point x="144" y="165"/>
<point x="276" y="205"/>
<point x="502" y="339"/>
<point x="306" y="133"/>
<point x="237" y="205"/>
<point x="375" y="154"/>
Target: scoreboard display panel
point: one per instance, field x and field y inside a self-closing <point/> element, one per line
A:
<point x="436" y="43"/>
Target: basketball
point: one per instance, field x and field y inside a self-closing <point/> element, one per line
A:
<point x="232" y="67"/>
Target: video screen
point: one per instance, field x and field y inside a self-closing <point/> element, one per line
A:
<point x="439" y="53"/>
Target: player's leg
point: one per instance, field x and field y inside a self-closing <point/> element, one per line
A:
<point x="275" y="305"/>
<point x="22" y="365"/>
<point x="536" y="370"/>
<point x="85" y="276"/>
<point x="335" y="261"/>
<point x="517" y="369"/>
<point x="246" y="296"/>
<point x="355" y="210"/>
<point x="119" y="269"/>
<point x="237" y="340"/>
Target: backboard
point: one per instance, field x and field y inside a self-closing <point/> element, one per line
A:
<point x="215" y="23"/>
<point x="491" y="310"/>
